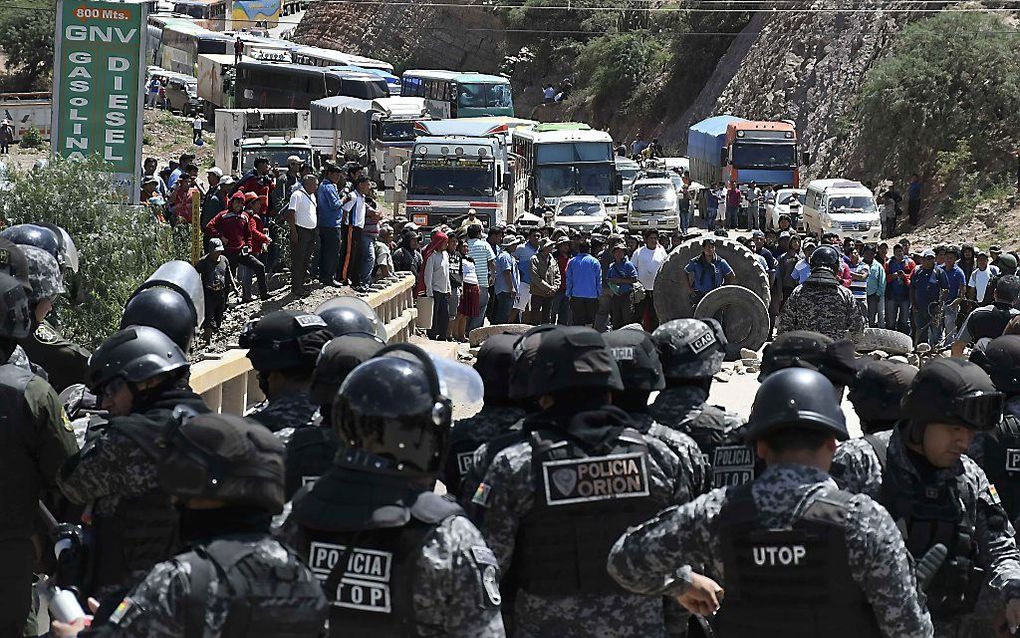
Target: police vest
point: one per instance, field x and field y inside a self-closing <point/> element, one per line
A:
<point x="264" y="601"/>
<point x="733" y="462"/>
<point x="310" y="454"/>
<point x="142" y="530"/>
<point x="935" y="514"/>
<point x="582" y="505"/>
<point x="1001" y="449"/>
<point x="365" y="557"/>
<point x="18" y="505"/>
<point x="793" y="583"/>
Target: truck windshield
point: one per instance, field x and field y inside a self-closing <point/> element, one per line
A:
<point x="396" y="131"/>
<point x="476" y="96"/>
<point x="585" y="179"/>
<point x="277" y="156"/>
<point x="438" y="178"/>
<point x="749" y="155"/>
<point x="852" y="204"/>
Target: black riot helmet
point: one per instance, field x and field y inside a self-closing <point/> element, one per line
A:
<point x="955" y="392"/>
<point x="638" y="359"/>
<point x="15" y="315"/>
<point x="337" y="359"/>
<point x="495" y="356"/>
<point x="344" y="315"/>
<point x="136" y="354"/>
<point x="690" y="349"/>
<point x="1000" y="358"/>
<point x="876" y="393"/>
<point x="825" y="257"/>
<point x="222" y="457"/>
<point x="33" y="235"/>
<point x="837" y="360"/>
<point x="285" y="340"/>
<point x="796" y="398"/>
<point x="164" y="309"/>
<point x="393" y="409"/>
<point x="550" y="359"/>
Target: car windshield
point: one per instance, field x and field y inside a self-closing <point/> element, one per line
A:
<point x="764" y="155"/>
<point x="396" y="131"/>
<point x="852" y="204"/>
<point x="784" y="198"/>
<point x="654" y="191"/>
<point x="276" y="156"/>
<point x="474" y="96"/>
<point x="451" y="180"/>
<point x="628" y="174"/>
<point x="580" y="209"/>
<point x="585" y="179"/>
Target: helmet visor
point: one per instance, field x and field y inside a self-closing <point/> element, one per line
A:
<point x="981" y="410"/>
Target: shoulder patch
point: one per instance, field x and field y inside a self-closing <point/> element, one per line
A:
<point x="481" y="496"/>
<point x="483" y="555"/>
<point x="65" y="421"/>
<point x="121" y="611"/>
<point x="45" y="334"/>
<point x="993" y="495"/>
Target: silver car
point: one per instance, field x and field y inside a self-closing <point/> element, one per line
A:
<point x="653" y="204"/>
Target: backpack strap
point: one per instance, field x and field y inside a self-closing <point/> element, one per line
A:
<point x="881" y="449"/>
<point x="198" y="595"/>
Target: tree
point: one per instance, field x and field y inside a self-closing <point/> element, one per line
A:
<point x="26" y="38"/>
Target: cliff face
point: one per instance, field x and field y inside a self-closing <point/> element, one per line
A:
<point x="407" y="35"/>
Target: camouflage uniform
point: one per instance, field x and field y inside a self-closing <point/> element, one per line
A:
<point x="510" y="493"/>
<point x="467" y="435"/>
<point x="857" y="468"/>
<point x="158" y="605"/>
<point x="695" y="479"/>
<point x="822" y="304"/>
<point x="65" y="362"/>
<point x="284" y="414"/>
<point x="651" y="559"/>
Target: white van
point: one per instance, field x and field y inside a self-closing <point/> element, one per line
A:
<point x="844" y="207"/>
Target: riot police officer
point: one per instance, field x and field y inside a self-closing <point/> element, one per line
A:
<point x="14" y="263"/>
<point x="66" y="363"/>
<point x="918" y="471"/>
<point x="837" y="360"/>
<point x="164" y="309"/>
<point x="794" y="555"/>
<point x="692" y="351"/>
<point x="998" y="451"/>
<point x="395" y="559"/>
<point x="344" y="315"/>
<point x="499" y="414"/>
<point x="283" y="347"/>
<point x="37" y="440"/>
<point x="877" y="392"/>
<point x="225" y="474"/>
<point x="141" y="376"/>
<point x="558" y="500"/>
<point x="822" y="303"/>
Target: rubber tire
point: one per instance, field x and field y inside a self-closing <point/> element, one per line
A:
<point x="743" y="315"/>
<point x="891" y="341"/>
<point x="672" y="290"/>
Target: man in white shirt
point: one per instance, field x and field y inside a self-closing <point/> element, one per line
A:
<point x="196" y="126"/>
<point x="648" y="259"/>
<point x="978" y="283"/>
<point x="353" y="260"/>
<point x="303" y="222"/>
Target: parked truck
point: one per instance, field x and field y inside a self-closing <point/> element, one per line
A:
<point x="731" y="149"/>
<point x="27" y="111"/>
<point x="245" y="134"/>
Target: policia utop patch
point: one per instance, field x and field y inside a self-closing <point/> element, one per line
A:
<point x="595" y="478"/>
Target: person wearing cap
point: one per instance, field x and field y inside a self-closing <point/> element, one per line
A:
<point x="584" y="285"/>
<point x="470" y="220"/>
<point x="977" y="282"/>
<point x="545" y="283"/>
<point x="926" y="285"/>
<point x="899" y="269"/>
<point x="555" y="501"/>
<point x="777" y="550"/>
<point x="822" y="304"/>
<point x="918" y="471"/>
<point x="217" y="283"/>
<point x="707" y="271"/>
<point x="507" y="280"/>
<point x="283" y="347"/>
<point x="225" y="475"/>
<point x="989" y="322"/>
<point x="622" y="276"/>
<point x="877" y="392"/>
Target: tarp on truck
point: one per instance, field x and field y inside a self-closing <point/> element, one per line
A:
<point x="705" y="138"/>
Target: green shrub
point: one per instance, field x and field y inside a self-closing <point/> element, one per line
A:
<point x="31" y="138"/>
<point x="119" y="246"/>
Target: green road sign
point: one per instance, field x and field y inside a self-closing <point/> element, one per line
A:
<point x="98" y="77"/>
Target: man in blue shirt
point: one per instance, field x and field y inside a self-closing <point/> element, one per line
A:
<point x="508" y="280"/>
<point x="707" y="272"/>
<point x="622" y="275"/>
<point x="330" y="214"/>
<point x="956" y="287"/>
<point x="925" y="285"/>
<point x="584" y="284"/>
<point x="524" y="253"/>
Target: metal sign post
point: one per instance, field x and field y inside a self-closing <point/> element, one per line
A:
<point x="98" y="87"/>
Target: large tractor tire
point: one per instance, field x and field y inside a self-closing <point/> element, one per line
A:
<point x="673" y="292"/>
<point x="743" y="315"/>
<point x="889" y="341"/>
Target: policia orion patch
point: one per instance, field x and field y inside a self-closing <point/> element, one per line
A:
<point x="596" y="478"/>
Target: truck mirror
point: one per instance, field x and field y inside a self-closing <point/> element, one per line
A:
<point x="722" y="157"/>
<point x="805" y="157"/>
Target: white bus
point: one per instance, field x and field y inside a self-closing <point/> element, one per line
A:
<point x="317" y="56"/>
<point x="557" y="160"/>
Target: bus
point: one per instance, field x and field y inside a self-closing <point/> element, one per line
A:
<point x="451" y="94"/>
<point x="317" y="56"/>
<point x="208" y="14"/>
<point x="392" y="81"/>
<point x="271" y="85"/>
<point x="556" y="160"/>
<point x="181" y="43"/>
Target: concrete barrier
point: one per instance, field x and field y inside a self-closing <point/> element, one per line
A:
<point x="229" y="385"/>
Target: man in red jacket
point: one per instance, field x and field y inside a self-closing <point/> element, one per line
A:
<point x="239" y="232"/>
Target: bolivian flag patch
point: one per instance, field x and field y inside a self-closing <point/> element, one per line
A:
<point x="993" y="495"/>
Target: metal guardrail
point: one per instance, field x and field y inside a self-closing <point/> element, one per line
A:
<point x="229" y="385"/>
